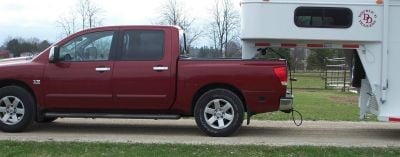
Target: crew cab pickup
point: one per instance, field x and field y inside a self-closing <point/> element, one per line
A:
<point x="137" y="72"/>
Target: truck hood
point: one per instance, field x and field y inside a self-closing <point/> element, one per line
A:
<point x="17" y="60"/>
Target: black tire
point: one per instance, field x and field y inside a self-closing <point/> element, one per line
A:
<point x="46" y="120"/>
<point x="28" y="104"/>
<point x="236" y="107"/>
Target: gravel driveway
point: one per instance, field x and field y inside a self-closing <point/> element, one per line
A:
<point x="277" y="133"/>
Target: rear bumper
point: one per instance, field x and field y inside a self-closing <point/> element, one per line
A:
<point x="286" y="103"/>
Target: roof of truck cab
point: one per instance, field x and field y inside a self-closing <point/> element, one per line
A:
<point x="129" y="26"/>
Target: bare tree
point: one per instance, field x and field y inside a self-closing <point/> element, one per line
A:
<point x="173" y="13"/>
<point x="81" y="10"/>
<point x="67" y="23"/>
<point x="224" y="25"/>
<point x="87" y="12"/>
<point x="233" y="49"/>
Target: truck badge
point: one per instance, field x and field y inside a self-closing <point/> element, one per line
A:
<point x="36" y="82"/>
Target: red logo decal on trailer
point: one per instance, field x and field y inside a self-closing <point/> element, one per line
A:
<point x="367" y="18"/>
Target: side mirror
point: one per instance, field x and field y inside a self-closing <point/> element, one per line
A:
<point x="54" y="55"/>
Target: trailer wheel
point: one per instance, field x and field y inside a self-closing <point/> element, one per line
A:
<point x="16" y="109"/>
<point x="219" y="112"/>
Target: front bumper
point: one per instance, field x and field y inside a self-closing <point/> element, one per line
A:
<point x="286" y="103"/>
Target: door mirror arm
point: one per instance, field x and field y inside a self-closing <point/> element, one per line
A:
<point x="54" y="55"/>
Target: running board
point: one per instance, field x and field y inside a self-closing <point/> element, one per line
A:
<point x="111" y="115"/>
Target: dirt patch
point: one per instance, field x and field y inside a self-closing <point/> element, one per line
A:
<point x="344" y="99"/>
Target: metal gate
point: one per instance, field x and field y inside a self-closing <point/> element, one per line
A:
<point x="337" y="74"/>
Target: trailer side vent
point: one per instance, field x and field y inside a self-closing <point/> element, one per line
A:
<point x="323" y="17"/>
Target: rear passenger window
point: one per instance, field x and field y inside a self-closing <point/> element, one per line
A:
<point x="323" y="17"/>
<point x="143" y="45"/>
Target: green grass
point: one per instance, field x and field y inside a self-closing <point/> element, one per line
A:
<point x="320" y="105"/>
<point x="316" y="103"/>
<point x="308" y="81"/>
<point x="64" y="149"/>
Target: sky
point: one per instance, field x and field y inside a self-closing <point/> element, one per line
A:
<point x="37" y="18"/>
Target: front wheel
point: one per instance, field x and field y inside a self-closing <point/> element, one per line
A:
<point x="219" y="112"/>
<point x="16" y="109"/>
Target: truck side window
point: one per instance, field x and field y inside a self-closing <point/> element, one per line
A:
<point x="323" y="17"/>
<point x="89" y="47"/>
<point x="143" y="45"/>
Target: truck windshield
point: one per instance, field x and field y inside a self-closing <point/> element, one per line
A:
<point x="182" y="42"/>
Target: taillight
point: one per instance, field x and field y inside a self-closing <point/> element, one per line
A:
<point x="281" y="73"/>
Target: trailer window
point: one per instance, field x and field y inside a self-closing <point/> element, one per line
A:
<point x="323" y="17"/>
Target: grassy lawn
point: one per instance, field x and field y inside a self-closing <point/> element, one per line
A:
<point x="11" y="148"/>
<point x="308" y="81"/>
<point x="316" y="103"/>
<point x="320" y="105"/>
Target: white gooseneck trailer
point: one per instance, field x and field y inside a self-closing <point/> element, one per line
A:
<point x="371" y="28"/>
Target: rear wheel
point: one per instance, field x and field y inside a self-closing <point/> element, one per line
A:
<point x="16" y="109"/>
<point x="219" y="112"/>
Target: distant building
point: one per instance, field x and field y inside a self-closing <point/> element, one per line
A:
<point x="4" y="54"/>
<point x="24" y="54"/>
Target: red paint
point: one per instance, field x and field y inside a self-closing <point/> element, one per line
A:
<point x="133" y="86"/>
<point x="288" y="45"/>
<point x="77" y="85"/>
<point x="262" y="44"/>
<point x="351" y="46"/>
<point x="315" y="45"/>
<point x="135" y="82"/>
<point x="393" y="119"/>
<point x="252" y="78"/>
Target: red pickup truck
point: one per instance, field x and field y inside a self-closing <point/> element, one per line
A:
<point x="137" y="72"/>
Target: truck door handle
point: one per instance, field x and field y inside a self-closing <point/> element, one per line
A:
<point x="160" y="68"/>
<point x="102" y="69"/>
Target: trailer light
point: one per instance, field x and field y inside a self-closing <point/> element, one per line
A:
<point x="262" y="44"/>
<point x="288" y="45"/>
<point x="351" y="46"/>
<point x="315" y="45"/>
